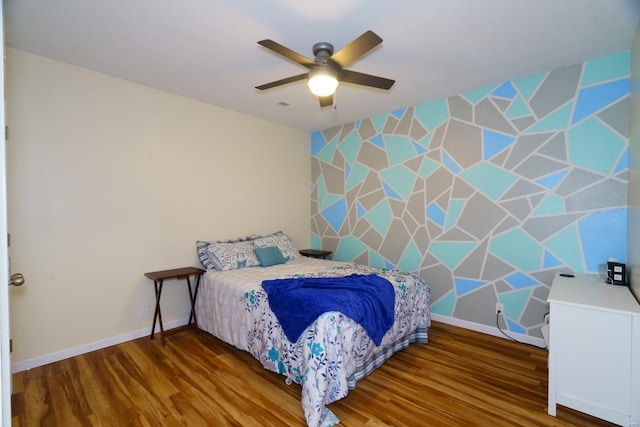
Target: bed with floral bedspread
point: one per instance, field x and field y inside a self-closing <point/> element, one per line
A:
<point x="334" y="352"/>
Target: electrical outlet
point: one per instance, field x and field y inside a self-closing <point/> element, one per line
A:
<point x="499" y="308"/>
<point x="144" y="309"/>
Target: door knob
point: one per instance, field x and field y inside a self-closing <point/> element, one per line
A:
<point x="17" y="279"/>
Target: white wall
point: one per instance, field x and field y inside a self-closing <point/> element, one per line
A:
<point x="108" y="180"/>
<point x="633" y="189"/>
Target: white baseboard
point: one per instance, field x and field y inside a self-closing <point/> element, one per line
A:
<point x="489" y="330"/>
<point x="108" y="342"/>
<point x="86" y="348"/>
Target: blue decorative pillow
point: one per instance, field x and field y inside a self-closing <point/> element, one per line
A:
<point x="269" y="256"/>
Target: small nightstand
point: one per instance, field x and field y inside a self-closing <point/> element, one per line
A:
<point x="158" y="278"/>
<point x="314" y="253"/>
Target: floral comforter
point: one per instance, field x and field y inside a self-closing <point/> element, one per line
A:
<point x="233" y="306"/>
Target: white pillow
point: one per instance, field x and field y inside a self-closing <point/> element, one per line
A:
<point x="202" y="247"/>
<point x="231" y="256"/>
<point x="282" y="241"/>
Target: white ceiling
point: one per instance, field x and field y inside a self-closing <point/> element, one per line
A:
<point x="207" y="49"/>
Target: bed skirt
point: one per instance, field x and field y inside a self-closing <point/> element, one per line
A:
<point x="365" y="367"/>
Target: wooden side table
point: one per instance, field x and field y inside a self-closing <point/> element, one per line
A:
<point x="158" y="278"/>
<point x="314" y="253"/>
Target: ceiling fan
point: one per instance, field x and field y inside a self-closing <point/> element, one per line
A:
<point x="328" y="68"/>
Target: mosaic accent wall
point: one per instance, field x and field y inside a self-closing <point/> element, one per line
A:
<point x="485" y="194"/>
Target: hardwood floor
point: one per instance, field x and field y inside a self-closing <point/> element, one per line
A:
<point x="461" y="378"/>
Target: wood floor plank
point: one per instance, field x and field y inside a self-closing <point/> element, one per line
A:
<point x="461" y="378"/>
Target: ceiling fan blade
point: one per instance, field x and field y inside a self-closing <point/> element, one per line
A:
<point x="357" y="78"/>
<point x="283" y="81"/>
<point x="287" y="53"/>
<point x="326" y="101"/>
<point x="356" y="49"/>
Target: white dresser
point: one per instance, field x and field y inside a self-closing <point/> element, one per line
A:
<point x="594" y="349"/>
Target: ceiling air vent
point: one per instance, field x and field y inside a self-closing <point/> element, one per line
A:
<point x="287" y="105"/>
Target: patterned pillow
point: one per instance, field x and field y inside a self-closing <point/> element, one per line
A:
<point x="231" y="256"/>
<point x="202" y="248"/>
<point x="282" y="241"/>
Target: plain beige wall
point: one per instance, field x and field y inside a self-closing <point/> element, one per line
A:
<point x="108" y="179"/>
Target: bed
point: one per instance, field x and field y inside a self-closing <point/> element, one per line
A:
<point x="334" y="352"/>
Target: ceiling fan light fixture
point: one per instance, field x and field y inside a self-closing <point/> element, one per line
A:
<point x="327" y="66"/>
<point x="322" y="80"/>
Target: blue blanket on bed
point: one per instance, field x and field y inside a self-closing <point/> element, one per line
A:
<point x="298" y="302"/>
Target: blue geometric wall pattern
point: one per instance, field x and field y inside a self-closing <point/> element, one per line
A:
<point x="485" y="194"/>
